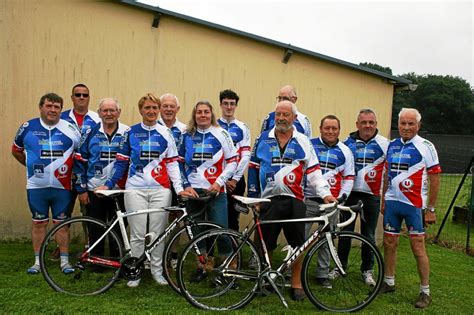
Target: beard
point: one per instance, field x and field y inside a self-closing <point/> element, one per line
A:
<point x="283" y="126"/>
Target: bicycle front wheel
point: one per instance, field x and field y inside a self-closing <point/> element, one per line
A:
<point x="349" y="292"/>
<point x="214" y="272"/>
<point x="92" y="272"/>
<point x="175" y="247"/>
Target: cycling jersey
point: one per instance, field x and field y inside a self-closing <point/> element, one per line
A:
<point x="90" y="119"/>
<point x="49" y="152"/>
<point x="301" y="123"/>
<point x="272" y="173"/>
<point x="206" y="157"/>
<point x="337" y="166"/>
<point x="240" y="135"/>
<point x="177" y="129"/>
<point x="95" y="159"/>
<point x="408" y="165"/>
<point x="150" y="153"/>
<point x="369" y="158"/>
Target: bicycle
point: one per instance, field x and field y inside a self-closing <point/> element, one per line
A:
<point x="229" y="286"/>
<point x="98" y="266"/>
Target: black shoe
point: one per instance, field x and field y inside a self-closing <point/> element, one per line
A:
<point x="198" y="276"/>
<point x="297" y="294"/>
<point x="324" y="282"/>
<point x="385" y="288"/>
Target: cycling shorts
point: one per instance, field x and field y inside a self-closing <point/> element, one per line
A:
<point x="396" y="212"/>
<point x="42" y="199"/>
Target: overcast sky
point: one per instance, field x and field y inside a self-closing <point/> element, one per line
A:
<point x="408" y="36"/>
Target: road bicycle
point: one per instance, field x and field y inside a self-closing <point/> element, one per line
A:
<point x="231" y="283"/>
<point x="98" y="265"/>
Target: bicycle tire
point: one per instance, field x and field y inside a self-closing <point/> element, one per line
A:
<point x="176" y="245"/>
<point x="219" y="291"/>
<point x="87" y="278"/>
<point x="349" y="293"/>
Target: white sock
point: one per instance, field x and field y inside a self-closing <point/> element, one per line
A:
<point x="390" y="280"/>
<point x="64" y="259"/>
<point x="425" y="289"/>
<point x="37" y="259"/>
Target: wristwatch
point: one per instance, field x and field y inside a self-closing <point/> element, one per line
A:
<point x="431" y="209"/>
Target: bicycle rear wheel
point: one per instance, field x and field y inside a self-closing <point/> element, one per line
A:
<point x="88" y="278"/>
<point x="175" y="247"/>
<point x="228" y="282"/>
<point x="349" y="292"/>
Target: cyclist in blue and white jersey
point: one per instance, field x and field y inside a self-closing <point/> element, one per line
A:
<point x="301" y="123"/>
<point x="208" y="159"/>
<point x="281" y="159"/>
<point x="369" y="149"/>
<point x="84" y="119"/>
<point x="411" y="194"/>
<point x="149" y="153"/>
<point x="337" y="166"/>
<point x="93" y="166"/>
<point x="240" y="134"/>
<point x="46" y="145"/>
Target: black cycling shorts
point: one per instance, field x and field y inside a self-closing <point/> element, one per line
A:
<point x="281" y="208"/>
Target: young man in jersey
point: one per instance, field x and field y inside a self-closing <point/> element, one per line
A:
<point x="301" y="123"/>
<point x="240" y="134"/>
<point x="413" y="170"/>
<point x="281" y="159"/>
<point x="337" y="165"/>
<point x="93" y="167"/>
<point x="370" y="150"/>
<point x="45" y="145"/>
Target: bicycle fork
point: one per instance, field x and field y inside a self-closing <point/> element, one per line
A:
<point x="334" y="255"/>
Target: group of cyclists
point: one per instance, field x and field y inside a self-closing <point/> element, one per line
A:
<point x="78" y="151"/>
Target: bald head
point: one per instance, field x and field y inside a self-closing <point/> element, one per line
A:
<point x="288" y="93"/>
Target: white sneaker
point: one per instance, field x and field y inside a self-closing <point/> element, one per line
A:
<point x="174" y="263"/>
<point x="253" y="262"/>
<point x="334" y="274"/>
<point x="160" y="280"/>
<point x="133" y="283"/>
<point x="368" y="277"/>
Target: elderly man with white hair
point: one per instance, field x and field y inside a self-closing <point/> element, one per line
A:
<point x="93" y="165"/>
<point x="411" y="192"/>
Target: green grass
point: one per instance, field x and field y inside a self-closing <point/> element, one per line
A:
<point x="452" y="274"/>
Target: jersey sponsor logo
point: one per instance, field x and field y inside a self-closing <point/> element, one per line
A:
<point x="284" y="160"/>
<point x="372" y="174"/>
<point x="38" y="170"/>
<point x="291" y="178"/>
<point x="39" y="133"/>
<point x="328" y="165"/>
<point x="365" y="160"/>
<point x="212" y="170"/>
<point x="62" y="170"/>
<point x="332" y="181"/>
<point x="51" y="154"/>
<point x="407" y="184"/>
<point x="396" y="167"/>
<point x="199" y="156"/>
<point x="145" y="155"/>
<point x="106" y="155"/>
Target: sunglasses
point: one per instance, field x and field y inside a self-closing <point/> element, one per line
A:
<point x="81" y="94"/>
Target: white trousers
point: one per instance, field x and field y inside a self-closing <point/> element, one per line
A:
<point x="157" y="222"/>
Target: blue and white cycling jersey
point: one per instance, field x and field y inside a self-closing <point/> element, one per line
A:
<point x="273" y="173"/>
<point x="240" y="135"/>
<point x="206" y="157"/>
<point x="150" y="154"/>
<point x="49" y="152"/>
<point x="90" y="119"/>
<point x="369" y="158"/>
<point x="301" y="123"/>
<point x="177" y="129"/>
<point x="408" y="166"/>
<point x="95" y="159"/>
<point x="337" y="166"/>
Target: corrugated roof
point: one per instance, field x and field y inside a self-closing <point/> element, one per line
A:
<point x="397" y="81"/>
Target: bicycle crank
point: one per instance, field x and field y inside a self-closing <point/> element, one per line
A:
<point x="131" y="268"/>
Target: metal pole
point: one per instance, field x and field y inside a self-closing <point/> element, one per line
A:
<point x="469" y="216"/>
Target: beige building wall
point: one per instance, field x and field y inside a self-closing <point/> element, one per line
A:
<point x="48" y="46"/>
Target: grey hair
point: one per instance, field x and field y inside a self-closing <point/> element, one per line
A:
<point x="102" y="101"/>
<point x="162" y="97"/>
<point x="294" y="110"/>
<point x="410" y="110"/>
<point x="366" y="111"/>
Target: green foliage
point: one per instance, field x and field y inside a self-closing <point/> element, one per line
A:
<point x="377" y="67"/>
<point x="446" y="103"/>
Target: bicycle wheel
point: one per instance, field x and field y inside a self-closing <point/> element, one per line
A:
<point x="175" y="246"/>
<point x="227" y="282"/>
<point x="349" y="292"/>
<point x="88" y="278"/>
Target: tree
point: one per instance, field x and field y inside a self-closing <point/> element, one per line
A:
<point x="377" y="67"/>
<point x="446" y="103"/>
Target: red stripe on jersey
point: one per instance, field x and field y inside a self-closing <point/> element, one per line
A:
<point x="293" y="181"/>
<point x="160" y="175"/>
<point x="16" y="148"/>
<point x="411" y="188"/>
<point x="313" y="168"/>
<point x="373" y="178"/>
<point x="436" y="169"/>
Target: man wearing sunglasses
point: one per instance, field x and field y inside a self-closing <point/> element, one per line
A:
<point x="301" y="123"/>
